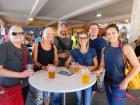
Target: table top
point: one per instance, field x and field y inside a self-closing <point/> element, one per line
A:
<point x="61" y="83"/>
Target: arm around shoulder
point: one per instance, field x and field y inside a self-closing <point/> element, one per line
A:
<point x="101" y="66"/>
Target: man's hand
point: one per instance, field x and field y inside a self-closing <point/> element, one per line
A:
<point x="26" y="73"/>
<point x="63" y="55"/>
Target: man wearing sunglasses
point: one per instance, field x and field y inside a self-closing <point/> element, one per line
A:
<point x="13" y="58"/>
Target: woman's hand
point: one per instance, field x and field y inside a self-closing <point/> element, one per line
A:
<point x="123" y="85"/>
<point x="63" y="55"/>
<point x="97" y="72"/>
<point x="44" y="68"/>
<point x="80" y="67"/>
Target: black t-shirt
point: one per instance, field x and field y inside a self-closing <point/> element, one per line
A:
<point x="137" y="50"/>
<point x="63" y="44"/>
<point x="11" y="58"/>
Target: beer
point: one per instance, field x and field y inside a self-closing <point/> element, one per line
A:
<point x="85" y="78"/>
<point x="51" y="71"/>
<point x="51" y="74"/>
<point x="74" y="69"/>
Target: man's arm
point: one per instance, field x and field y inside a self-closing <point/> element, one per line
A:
<point x="7" y="73"/>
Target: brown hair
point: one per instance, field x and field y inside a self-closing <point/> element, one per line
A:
<point x="87" y="39"/>
<point x="113" y="26"/>
<point x="96" y="24"/>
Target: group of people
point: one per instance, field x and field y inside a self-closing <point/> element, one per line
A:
<point x="96" y="54"/>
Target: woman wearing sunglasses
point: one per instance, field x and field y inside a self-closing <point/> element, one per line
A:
<point x="87" y="58"/>
<point x="112" y="60"/>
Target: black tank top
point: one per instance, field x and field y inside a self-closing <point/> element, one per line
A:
<point x="45" y="57"/>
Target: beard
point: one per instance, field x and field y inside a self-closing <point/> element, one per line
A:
<point x="63" y="32"/>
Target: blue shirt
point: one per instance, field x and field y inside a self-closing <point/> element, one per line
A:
<point x="85" y="59"/>
<point x="38" y="39"/>
<point x="98" y="44"/>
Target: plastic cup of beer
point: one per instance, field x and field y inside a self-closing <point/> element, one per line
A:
<point x="51" y="71"/>
<point x="30" y="67"/>
<point x="74" y="67"/>
<point x="85" y="76"/>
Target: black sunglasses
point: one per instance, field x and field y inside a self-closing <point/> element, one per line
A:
<point x="18" y="33"/>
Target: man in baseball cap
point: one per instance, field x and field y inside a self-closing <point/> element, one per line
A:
<point x="62" y="22"/>
<point x="64" y="46"/>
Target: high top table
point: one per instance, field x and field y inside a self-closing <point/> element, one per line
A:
<point x="61" y="83"/>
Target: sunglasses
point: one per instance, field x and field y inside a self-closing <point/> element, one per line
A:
<point x="17" y="33"/>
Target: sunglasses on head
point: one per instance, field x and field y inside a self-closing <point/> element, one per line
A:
<point x="17" y="33"/>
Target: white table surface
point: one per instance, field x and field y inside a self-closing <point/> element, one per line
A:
<point x="61" y="83"/>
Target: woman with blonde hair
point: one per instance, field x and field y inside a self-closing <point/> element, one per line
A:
<point x="44" y="54"/>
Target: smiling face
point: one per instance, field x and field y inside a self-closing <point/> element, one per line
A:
<point x="93" y="30"/>
<point x="62" y="30"/>
<point x="48" y="34"/>
<point x="16" y="34"/>
<point x="112" y="34"/>
<point x="83" y="39"/>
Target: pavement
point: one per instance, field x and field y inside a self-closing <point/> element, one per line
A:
<point x="100" y="98"/>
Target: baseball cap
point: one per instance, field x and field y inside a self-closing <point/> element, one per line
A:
<point x="62" y="22"/>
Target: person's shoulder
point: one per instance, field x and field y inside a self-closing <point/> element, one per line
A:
<point x="127" y="48"/>
<point x="5" y="44"/>
<point x="56" y="38"/>
<point x="92" y="49"/>
<point x="36" y="43"/>
<point x="54" y="46"/>
<point x="2" y="45"/>
<point x="75" y="50"/>
<point x="101" y="39"/>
